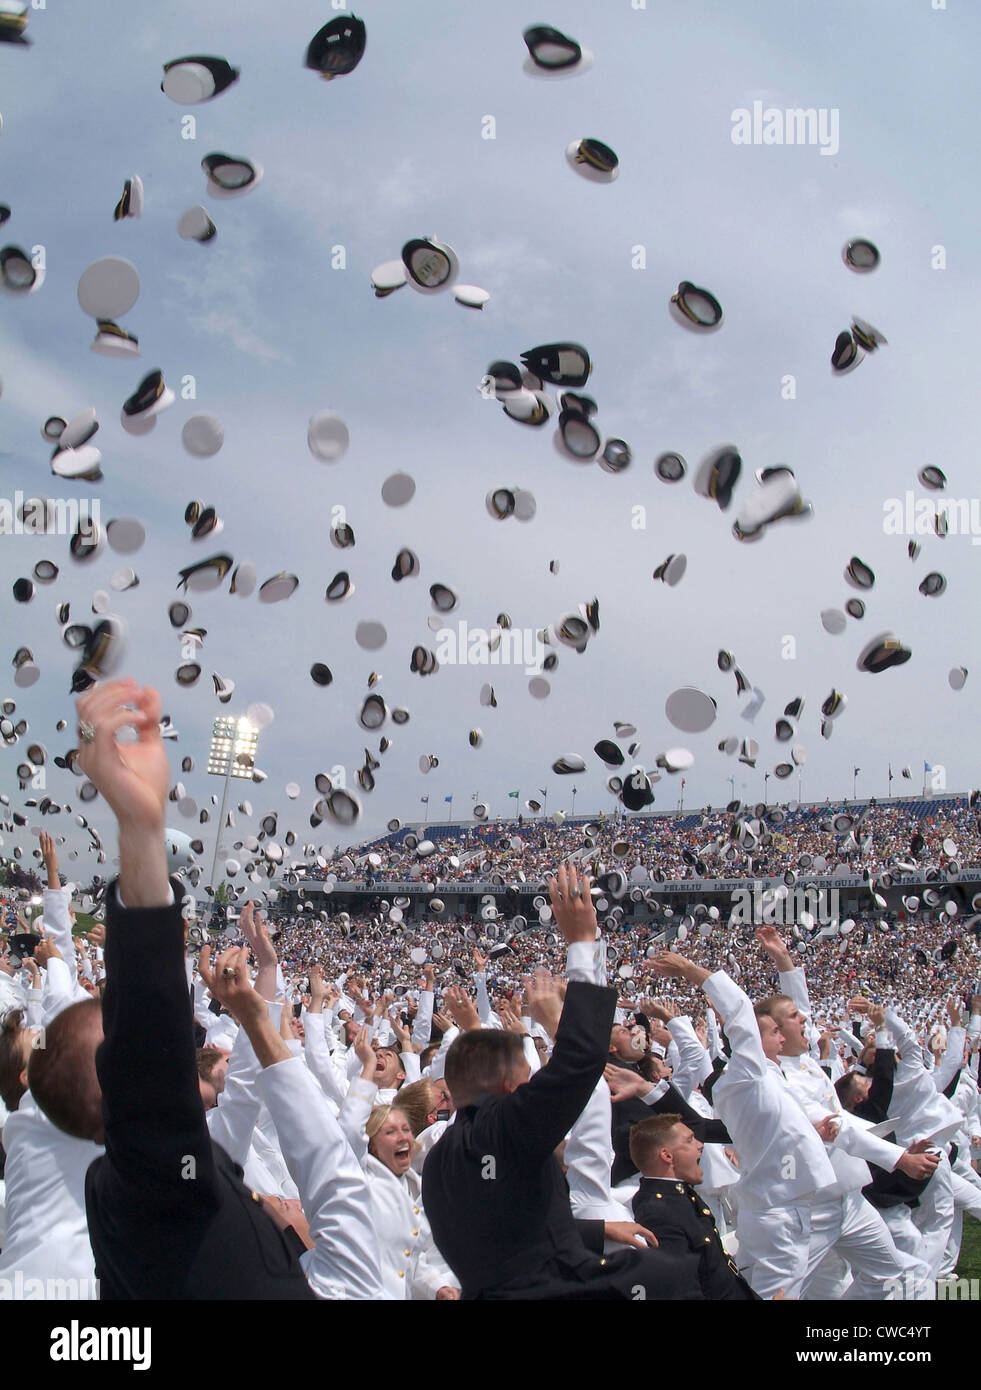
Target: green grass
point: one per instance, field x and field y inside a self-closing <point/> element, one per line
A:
<point x="969" y="1264"/>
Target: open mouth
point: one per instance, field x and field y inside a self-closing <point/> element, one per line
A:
<point x="403" y="1151"/>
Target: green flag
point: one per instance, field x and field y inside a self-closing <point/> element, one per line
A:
<point x="512" y="793"/>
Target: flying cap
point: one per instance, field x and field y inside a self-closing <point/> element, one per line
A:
<point x="188" y="81"/>
<point x="337" y="48"/>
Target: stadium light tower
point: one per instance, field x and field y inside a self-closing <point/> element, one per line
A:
<point x="232" y="754"/>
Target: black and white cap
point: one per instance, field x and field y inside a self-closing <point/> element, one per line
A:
<point x="593" y="159"/>
<point x="337" y="48"/>
<point x="188" y="81"/>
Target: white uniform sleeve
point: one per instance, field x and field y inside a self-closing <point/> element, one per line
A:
<point x="589" y="1159"/>
<point x="694" y="1063"/>
<point x="35" y="1009"/>
<point x="748" y="1058"/>
<point x="422" y="1027"/>
<point x="531" y="1055"/>
<point x="952" y="1060"/>
<point x="232" y="1120"/>
<point x="855" y="1139"/>
<point x="344" y="1263"/>
<point x="202" y="1014"/>
<point x="438" y="1065"/>
<point x="319" y="1061"/>
<point x="59" y="990"/>
<point x="57" y="924"/>
<point x="410" y="1065"/>
<point x="353" y="1115"/>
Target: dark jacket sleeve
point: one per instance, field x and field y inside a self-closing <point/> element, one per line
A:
<point x="592" y="1233"/>
<point x="536" y="1117"/>
<point x="157" y="1141"/>
<point x="883" y="1076"/>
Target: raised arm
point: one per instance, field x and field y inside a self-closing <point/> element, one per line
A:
<point x="536" y="1117"/>
<point x="748" y="1059"/>
<point x="155" y="1130"/>
<point x="344" y="1263"/>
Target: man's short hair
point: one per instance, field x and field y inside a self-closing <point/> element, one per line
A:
<point x="480" y="1061"/>
<point x="61" y="1075"/>
<point x="207" y="1058"/>
<point x="11" y="1059"/>
<point x="845" y="1087"/>
<point x="647" y="1137"/>
<point x="771" y="1006"/>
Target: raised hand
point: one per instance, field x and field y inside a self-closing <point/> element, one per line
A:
<point x="775" y="947"/>
<point x="511" y="1024"/>
<point x="480" y="959"/>
<point x="50" y="856"/>
<point x="45" y="949"/>
<point x="205" y="970"/>
<point x="572" y="904"/>
<point x="402" y="1033"/>
<point x="365" y="1053"/>
<point x="461" y="1008"/>
<point x="661" y="1009"/>
<point x="133" y="777"/>
<point x="231" y="986"/>
<point x="625" y="1084"/>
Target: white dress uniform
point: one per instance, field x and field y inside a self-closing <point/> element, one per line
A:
<point x="412" y="1267"/>
<point x="921" y="1111"/>
<point x="345" y="1262"/>
<point x="843" y="1220"/>
<point x="783" y="1162"/>
<point x="47" y="1237"/>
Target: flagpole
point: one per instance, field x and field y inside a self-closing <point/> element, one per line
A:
<point x="425" y="818"/>
<point x="573" y="801"/>
<point x="890" y="780"/>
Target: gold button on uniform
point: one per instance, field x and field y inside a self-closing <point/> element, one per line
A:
<point x="401" y="1273"/>
<point x="415" y="1233"/>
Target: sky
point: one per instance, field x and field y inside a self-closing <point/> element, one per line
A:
<point x="266" y="332"/>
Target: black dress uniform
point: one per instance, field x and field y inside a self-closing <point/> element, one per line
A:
<point x="683" y="1223"/>
<point x="496" y="1198"/>
<point x="168" y="1214"/>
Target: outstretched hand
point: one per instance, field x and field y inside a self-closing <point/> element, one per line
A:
<point x="572" y="904"/>
<point x="133" y="777"/>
